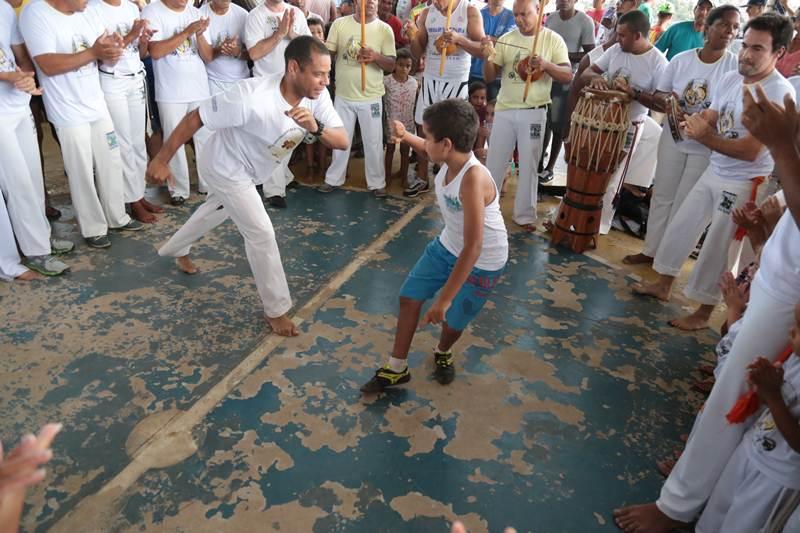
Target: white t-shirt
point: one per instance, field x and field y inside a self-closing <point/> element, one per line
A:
<point x="180" y="75"/>
<point x="221" y="27"/>
<point x="640" y="71"/>
<point x="250" y="132"/>
<point x="795" y="81"/>
<point x="693" y="81"/>
<point x="779" y="268"/>
<point x="727" y="101"/>
<point x="456" y="66"/>
<point x="766" y="447"/>
<point x="262" y="22"/>
<point x="119" y="19"/>
<point x="73" y="98"/>
<point x="12" y="100"/>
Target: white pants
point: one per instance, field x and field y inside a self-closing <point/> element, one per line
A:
<point x="642" y="169"/>
<point x="607" y="216"/>
<point x="710" y="200"/>
<point x="10" y="266"/>
<point x="246" y="209"/>
<point x="171" y="115"/>
<point x="523" y="128"/>
<point x="94" y="168"/>
<point x="369" y="116"/>
<point x="22" y="185"/>
<point x="676" y="174"/>
<point x="276" y="184"/>
<point x="764" y="332"/>
<point x="742" y="499"/>
<point x="127" y="103"/>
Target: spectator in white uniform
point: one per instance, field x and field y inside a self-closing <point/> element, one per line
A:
<point x="227" y="62"/>
<point x="66" y="43"/>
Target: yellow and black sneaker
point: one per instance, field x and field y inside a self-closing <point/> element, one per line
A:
<point x="445" y="371"/>
<point x="386" y="377"/>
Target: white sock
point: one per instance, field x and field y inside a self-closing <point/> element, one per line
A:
<point x="397" y="365"/>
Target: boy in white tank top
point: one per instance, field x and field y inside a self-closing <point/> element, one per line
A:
<point x="465" y="262"/>
<point x="429" y="37"/>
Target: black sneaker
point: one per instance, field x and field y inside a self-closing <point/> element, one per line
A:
<point x="277" y="201"/>
<point x="420" y="187"/>
<point x="386" y="377"/>
<point x="546" y="176"/>
<point x="133" y="225"/>
<point x="445" y="371"/>
<point x="101" y="241"/>
<point x="177" y="200"/>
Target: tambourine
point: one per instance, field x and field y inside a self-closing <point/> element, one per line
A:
<point x="452" y="48"/>
<point x="524" y="69"/>
<point x="673" y="111"/>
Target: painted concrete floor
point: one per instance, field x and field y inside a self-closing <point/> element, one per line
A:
<point x="182" y="414"/>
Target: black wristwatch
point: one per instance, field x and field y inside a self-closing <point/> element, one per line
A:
<point x="637" y="93"/>
<point x="320" y="129"/>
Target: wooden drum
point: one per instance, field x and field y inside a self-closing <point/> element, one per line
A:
<point x="597" y="139"/>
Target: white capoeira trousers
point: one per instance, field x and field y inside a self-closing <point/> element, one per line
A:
<point x="369" y="115"/>
<point x="764" y="332"/>
<point x="127" y="104"/>
<point x="435" y="90"/>
<point x="275" y="184"/>
<point x="245" y="207"/>
<point x="742" y="499"/>
<point x="523" y="128"/>
<point x="607" y="215"/>
<point x="22" y="185"/>
<point x="171" y="114"/>
<point x="10" y="266"/>
<point x="712" y="199"/>
<point x="676" y="174"/>
<point x="98" y="197"/>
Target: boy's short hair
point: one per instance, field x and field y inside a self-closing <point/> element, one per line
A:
<point x="314" y="21"/>
<point x="404" y="53"/>
<point x="778" y="26"/>
<point x="454" y="119"/>
<point x="476" y="85"/>
<point x="492" y="102"/>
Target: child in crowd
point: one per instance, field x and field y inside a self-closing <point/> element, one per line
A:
<point x="765" y="467"/>
<point x="477" y="97"/>
<point x="316" y="152"/>
<point x="399" y="100"/>
<point x="464" y="263"/>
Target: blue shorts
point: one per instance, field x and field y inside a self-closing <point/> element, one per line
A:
<point x="431" y="273"/>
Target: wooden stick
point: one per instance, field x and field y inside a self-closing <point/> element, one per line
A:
<point x="446" y="28"/>
<point x="363" y="44"/>
<point x="536" y="31"/>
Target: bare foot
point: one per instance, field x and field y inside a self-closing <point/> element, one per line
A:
<point x="530" y="228"/>
<point x="637" y="259"/>
<point x="153" y="208"/>
<point x="185" y="265"/>
<point x="652" y="289"/>
<point x="29" y="275"/>
<point x="283" y="326"/>
<point x="646" y="518"/>
<point x="458" y="527"/>
<point x="140" y="213"/>
<point x="689" y="323"/>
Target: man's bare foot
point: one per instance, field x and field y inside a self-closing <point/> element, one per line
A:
<point x="153" y="208"/>
<point x="29" y="275"/>
<point x="141" y="214"/>
<point x="637" y="259"/>
<point x="689" y="323"/>
<point x="646" y="518"/>
<point x="283" y="326"/>
<point x="185" y="265"/>
<point x="530" y="228"/>
<point x="655" y="290"/>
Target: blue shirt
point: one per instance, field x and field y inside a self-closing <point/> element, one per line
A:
<point x="678" y="38"/>
<point x="493" y="26"/>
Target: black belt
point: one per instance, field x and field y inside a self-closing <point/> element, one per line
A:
<point x="121" y="75"/>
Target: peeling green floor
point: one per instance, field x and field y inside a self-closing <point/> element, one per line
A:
<point x="568" y="387"/>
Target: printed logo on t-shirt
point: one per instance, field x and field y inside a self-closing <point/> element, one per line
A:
<point x="351" y="50"/>
<point x="124" y="29"/>
<point x="512" y="72"/>
<point x="695" y="96"/>
<point x="286" y="143"/>
<point x="622" y="75"/>
<point x="185" y="49"/>
<point x="727" y="202"/>
<point x="221" y="38"/>
<point x="7" y="63"/>
<point x="726" y="122"/>
<point x="452" y="203"/>
<point x="79" y="44"/>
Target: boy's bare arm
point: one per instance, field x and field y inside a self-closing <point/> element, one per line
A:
<point x="768" y="381"/>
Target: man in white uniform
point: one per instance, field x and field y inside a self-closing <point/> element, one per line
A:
<point x="20" y="170"/>
<point x="463" y="39"/>
<point x="59" y="36"/>
<point x="255" y="127"/>
<point x="634" y="66"/>
<point x="181" y="79"/>
<point x="227" y="62"/>
<point x="124" y="88"/>
<point x="739" y="164"/>
<point x="268" y="30"/>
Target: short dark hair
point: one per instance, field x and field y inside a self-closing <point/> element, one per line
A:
<point x="637" y="21"/>
<point x="778" y="26"/>
<point x="405" y="53"/>
<point x="454" y="119"/>
<point x="314" y="21"/>
<point x="301" y="48"/>
<point x="476" y="85"/>
<point x="718" y="12"/>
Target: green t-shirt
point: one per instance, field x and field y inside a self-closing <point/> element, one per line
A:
<point x="679" y="38"/>
<point x="644" y="8"/>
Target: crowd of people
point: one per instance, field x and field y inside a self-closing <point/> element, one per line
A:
<point x="469" y="96"/>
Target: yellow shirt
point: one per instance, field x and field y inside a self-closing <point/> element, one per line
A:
<point x="344" y="39"/>
<point x="18" y="9"/>
<point x="551" y="47"/>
